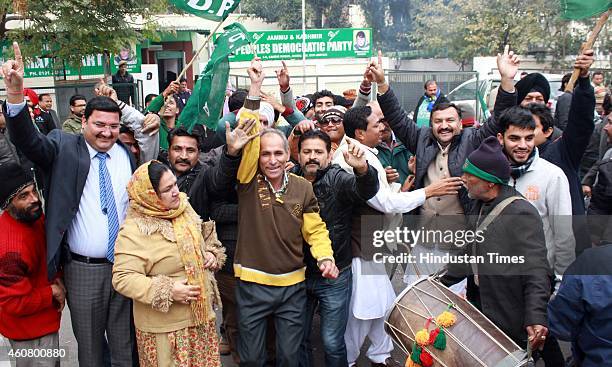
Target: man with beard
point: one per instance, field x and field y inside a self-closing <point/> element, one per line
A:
<point x="86" y="202"/>
<point x="183" y="154"/>
<point x="338" y="192"/>
<point x="30" y="305"/>
<point x="72" y="125"/>
<point x="541" y="182"/>
<point x="513" y="295"/>
<point x="567" y="151"/>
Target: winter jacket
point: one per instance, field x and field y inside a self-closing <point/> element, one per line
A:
<point x="338" y="193"/>
<point x="546" y="187"/>
<point x="581" y="312"/>
<point x="421" y="142"/>
<point x="511" y="295"/>
<point x="397" y="158"/>
<point x="567" y="151"/>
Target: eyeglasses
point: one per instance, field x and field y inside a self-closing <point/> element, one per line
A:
<point x="327" y="121"/>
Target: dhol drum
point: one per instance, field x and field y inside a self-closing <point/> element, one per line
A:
<point x="473" y="340"/>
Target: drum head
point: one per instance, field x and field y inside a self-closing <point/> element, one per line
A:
<point x="472" y="341"/>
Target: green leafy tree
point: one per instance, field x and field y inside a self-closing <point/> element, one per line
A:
<point x="462" y="29"/>
<point x="288" y="13"/>
<point x="68" y="30"/>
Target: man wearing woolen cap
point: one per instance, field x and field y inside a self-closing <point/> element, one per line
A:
<point x="30" y="305"/>
<point x="513" y="295"/>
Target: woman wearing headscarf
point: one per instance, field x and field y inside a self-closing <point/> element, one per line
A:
<point x="164" y="261"/>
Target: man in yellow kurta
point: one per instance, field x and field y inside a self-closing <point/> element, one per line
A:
<point x="277" y="212"/>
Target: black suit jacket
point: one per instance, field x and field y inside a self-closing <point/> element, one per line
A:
<point x="64" y="158"/>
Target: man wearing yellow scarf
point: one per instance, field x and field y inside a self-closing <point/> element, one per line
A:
<point x="278" y="212"/>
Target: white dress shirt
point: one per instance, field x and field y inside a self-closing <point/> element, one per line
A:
<point x="88" y="232"/>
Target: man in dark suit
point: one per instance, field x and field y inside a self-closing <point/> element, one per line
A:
<point x="86" y="176"/>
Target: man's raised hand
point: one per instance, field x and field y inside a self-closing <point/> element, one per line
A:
<point x="282" y="75"/>
<point x="508" y="63"/>
<point x="255" y="71"/>
<point x="237" y="139"/>
<point x="354" y="156"/>
<point x="584" y="61"/>
<point x="377" y="71"/>
<point x="12" y="73"/>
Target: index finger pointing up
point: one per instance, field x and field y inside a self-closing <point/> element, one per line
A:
<point x="380" y="58"/>
<point x="284" y="65"/>
<point x="17" y="51"/>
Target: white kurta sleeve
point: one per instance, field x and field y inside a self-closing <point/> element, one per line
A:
<point x="390" y="202"/>
<point x="385" y="200"/>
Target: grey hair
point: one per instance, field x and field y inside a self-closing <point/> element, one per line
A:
<point x="279" y="133"/>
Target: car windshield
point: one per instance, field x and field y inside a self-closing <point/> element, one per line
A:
<point x="466" y="91"/>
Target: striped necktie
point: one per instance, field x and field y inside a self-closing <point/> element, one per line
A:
<point x="107" y="201"/>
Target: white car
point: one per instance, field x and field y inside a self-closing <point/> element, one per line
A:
<point x="476" y="101"/>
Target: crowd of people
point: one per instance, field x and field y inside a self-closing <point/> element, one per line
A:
<point x="145" y="228"/>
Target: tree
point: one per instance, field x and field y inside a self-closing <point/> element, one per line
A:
<point x="466" y="28"/>
<point x="391" y="22"/>
<point x="68" y="30"/>
<point x="288" y="13"/>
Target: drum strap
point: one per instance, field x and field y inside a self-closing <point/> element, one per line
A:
<point x="488" y="220"/>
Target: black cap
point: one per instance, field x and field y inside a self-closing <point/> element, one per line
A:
<point x="14" y="179"/>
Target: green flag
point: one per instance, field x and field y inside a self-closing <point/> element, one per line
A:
<point x="206" y="102"/>
<point x="580" y="9"/>
<point x="216" y="10"/>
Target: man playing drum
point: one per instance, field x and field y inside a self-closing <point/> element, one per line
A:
<point x="512" y="286"/>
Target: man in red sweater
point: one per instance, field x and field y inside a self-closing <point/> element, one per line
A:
<point x="30" y="305"/>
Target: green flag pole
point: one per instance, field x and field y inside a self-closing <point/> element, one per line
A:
<point x="206" y="42"/>
<point x="587" y="45"/>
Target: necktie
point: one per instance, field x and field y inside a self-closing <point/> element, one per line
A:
<point x="107" y="202"/>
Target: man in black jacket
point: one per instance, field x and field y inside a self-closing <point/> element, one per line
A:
<point x="512" y="284"/>
<point x="442" y="148"/>
<point x="567" y="151"/>
<point x="123" y="83"/>
<point x="337" y="192"/>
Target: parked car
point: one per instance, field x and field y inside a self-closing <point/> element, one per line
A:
<point x="476" y="100"/>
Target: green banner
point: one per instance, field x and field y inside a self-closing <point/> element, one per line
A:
<point x="580" y="9"/>
<point x="216" y="10"/>
<point x="206" y="103"/>
<point x="90" y="65"/>
<point x="320" y="44"/>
